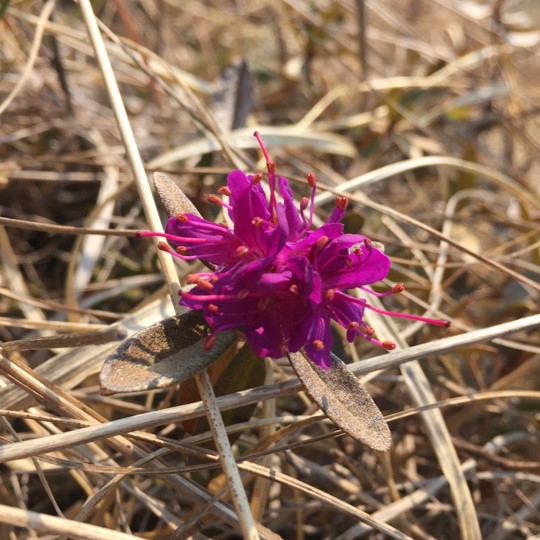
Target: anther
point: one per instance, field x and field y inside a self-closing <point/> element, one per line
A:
<point x="321" y="242"/>
<point x="163" y="246"/>
<point x="369" y="331"/>
<point x="311" y="179"/>
<point x="294" y="288"/>
<point x="182" y="217"/>
<point x="181" y="250"/>
<point x="212" y="308"/>
<point x="257" y="221"/>
<point x="368" y="243"/>
<point x="271" y="167"/>
<point x="341" y="202"/>
<point x="352" y="325"/>
<point x="329" y="294"/>
<point x="241" y="250"/>
<point x="318" y="344"/>
<point x="304" y="201"/>
<point x="204" y="284"/>
<point x="224" y="190"/>
<point x="214" y="199"/>
<point x="398" y="288"/>
<point x="257" y="177"/>
<point x="388" y="345"/>
<point x="192" y="278"/>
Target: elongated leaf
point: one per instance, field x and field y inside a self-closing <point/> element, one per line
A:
<point x="163" y="354"/>
<point x="173" y="199"/>
<point x="343" y="399"/>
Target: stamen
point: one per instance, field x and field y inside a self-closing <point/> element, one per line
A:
<point x="271" y="168"/>
<point x="163" y="246"/>
<point x="257" y="135"/>
<point x="304" y="202"/>
<point x="240" y="251"/>
<point x="329" y="294"/>
<point x="182" y="217"/>
<point x="388" y="345"/>
<point x="398" y="288"/>
<point x="321" y="243"/>
<point x="209" y="342"/>
<point x="172" y="237"/>
<point x="204" y="285"/>
<point x="192" y="278"/>
<point x="212" y="308"/>
<point x="434" y="322"/>
<point x="341" y="202"/>
<point x="294" y="288"/>
<point x="318" y="344"/>
<point x="204" y="298"/>
<point x="257" y="221"/>
<point x="312" y="183"/>
<point x="179" y="254"/>
<point x="224" y="190"/>
<point x="257" y="177"/>
<point x="395" y="289"/>
<point x="214" y="199"/>
<point x="362" y="302"/>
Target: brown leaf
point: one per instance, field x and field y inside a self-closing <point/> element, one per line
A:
<point x="163" y="354"/>
<point x="343" y="399"/>
<point x="174" y="200"/>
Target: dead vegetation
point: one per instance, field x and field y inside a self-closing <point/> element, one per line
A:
<point x="426" y="117"/>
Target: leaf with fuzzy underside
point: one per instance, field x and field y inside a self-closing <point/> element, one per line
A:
<point x="343" y="399"/>
<point x="166" y="353"/>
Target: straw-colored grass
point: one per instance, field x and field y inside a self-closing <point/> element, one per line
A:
<point x="425" y="116"/>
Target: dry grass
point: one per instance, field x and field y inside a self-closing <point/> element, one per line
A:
<point x="428" y="120"/>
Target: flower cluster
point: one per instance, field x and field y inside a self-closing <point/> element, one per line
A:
<point x="276" y="279"/>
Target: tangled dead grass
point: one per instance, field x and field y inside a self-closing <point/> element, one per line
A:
<point x="427" y="117"/>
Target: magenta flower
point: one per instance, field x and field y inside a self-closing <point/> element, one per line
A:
<point x="275" y="279"/>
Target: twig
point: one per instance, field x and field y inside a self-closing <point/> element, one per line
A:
<point x="238" y="494"/>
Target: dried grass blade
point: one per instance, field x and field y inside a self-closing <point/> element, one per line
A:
<point x="241" y="503"/>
